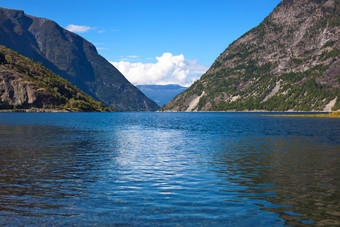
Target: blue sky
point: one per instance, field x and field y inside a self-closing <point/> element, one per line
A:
<point x="175" y="39"/>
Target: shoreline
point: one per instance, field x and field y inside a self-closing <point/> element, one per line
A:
<point x="332" y="114"/>
<point x="250" y="111"/>
<point x="35" y="111"/>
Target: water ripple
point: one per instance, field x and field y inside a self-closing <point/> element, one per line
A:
<point x="168" y="169"/>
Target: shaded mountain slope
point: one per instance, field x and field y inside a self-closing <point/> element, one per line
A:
<point x="161" y="94"/>
<point x="27" y="85"/>
<point x="72" y="57"/>
<point x="289" y="62"/>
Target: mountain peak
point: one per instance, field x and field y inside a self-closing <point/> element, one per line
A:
<point x="292" y="55"/>
<point x="72" y="57"/>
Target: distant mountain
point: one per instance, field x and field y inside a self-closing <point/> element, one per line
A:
<point x="161" y="94"/>
<point x="72" y="57"/>
<point x="290" y="62"/>
<point x="26" y="85"/>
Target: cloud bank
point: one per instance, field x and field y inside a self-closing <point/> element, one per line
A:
<point x="78" y="28"/>
<point x="168" y="69"/>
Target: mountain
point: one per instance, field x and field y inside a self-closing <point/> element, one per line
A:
<point x="29" y="86"/>
<point x="290" y="62"/>
<point x="71" y="57"/>
<point x="161" y="94"/>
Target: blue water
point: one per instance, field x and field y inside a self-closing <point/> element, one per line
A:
<point x="159" y="169"/>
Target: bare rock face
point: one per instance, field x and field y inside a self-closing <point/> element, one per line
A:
<point x="14" y="91"/>
<point x="18" y="92"/>
<point x="297" y="45"/>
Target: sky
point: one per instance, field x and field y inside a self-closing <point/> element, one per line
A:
<point x="154" y="41"/>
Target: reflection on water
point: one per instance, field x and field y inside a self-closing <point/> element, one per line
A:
<point x="296" y="173"/>
<point x="166" y="169"/>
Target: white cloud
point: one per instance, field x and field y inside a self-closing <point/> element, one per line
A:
<point x="78" y="28"/>
<point x="168" y="69"/>
<point x="130" y="59"/>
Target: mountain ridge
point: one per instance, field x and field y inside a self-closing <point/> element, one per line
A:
<point x="72" y="57"/>
<point x="161" y="94"/>
<point x="290" y="62"/>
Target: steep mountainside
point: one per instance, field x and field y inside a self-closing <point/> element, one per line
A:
<point x="26" y="85"/>
<point x="161" y="94"/>
<point x="289" y="62"/>
<point x="72" y="57"/>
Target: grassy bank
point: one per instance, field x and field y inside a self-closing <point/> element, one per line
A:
<point x="328" y="115"/>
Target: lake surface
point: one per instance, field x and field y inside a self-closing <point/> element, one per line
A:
<point x="185" y="169"/>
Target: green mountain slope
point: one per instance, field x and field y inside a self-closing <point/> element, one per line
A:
<point x="26" y="85"/>
<point x="71" y="57"/>
<point x="289" y="62"/>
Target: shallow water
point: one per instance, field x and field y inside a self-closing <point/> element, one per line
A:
<point x="230" y="169"/>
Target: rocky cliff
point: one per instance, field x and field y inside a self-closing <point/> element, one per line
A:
<point x="290" y="62"/>
<point x="71" y="57"/>
<point x="28" y="86"/>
